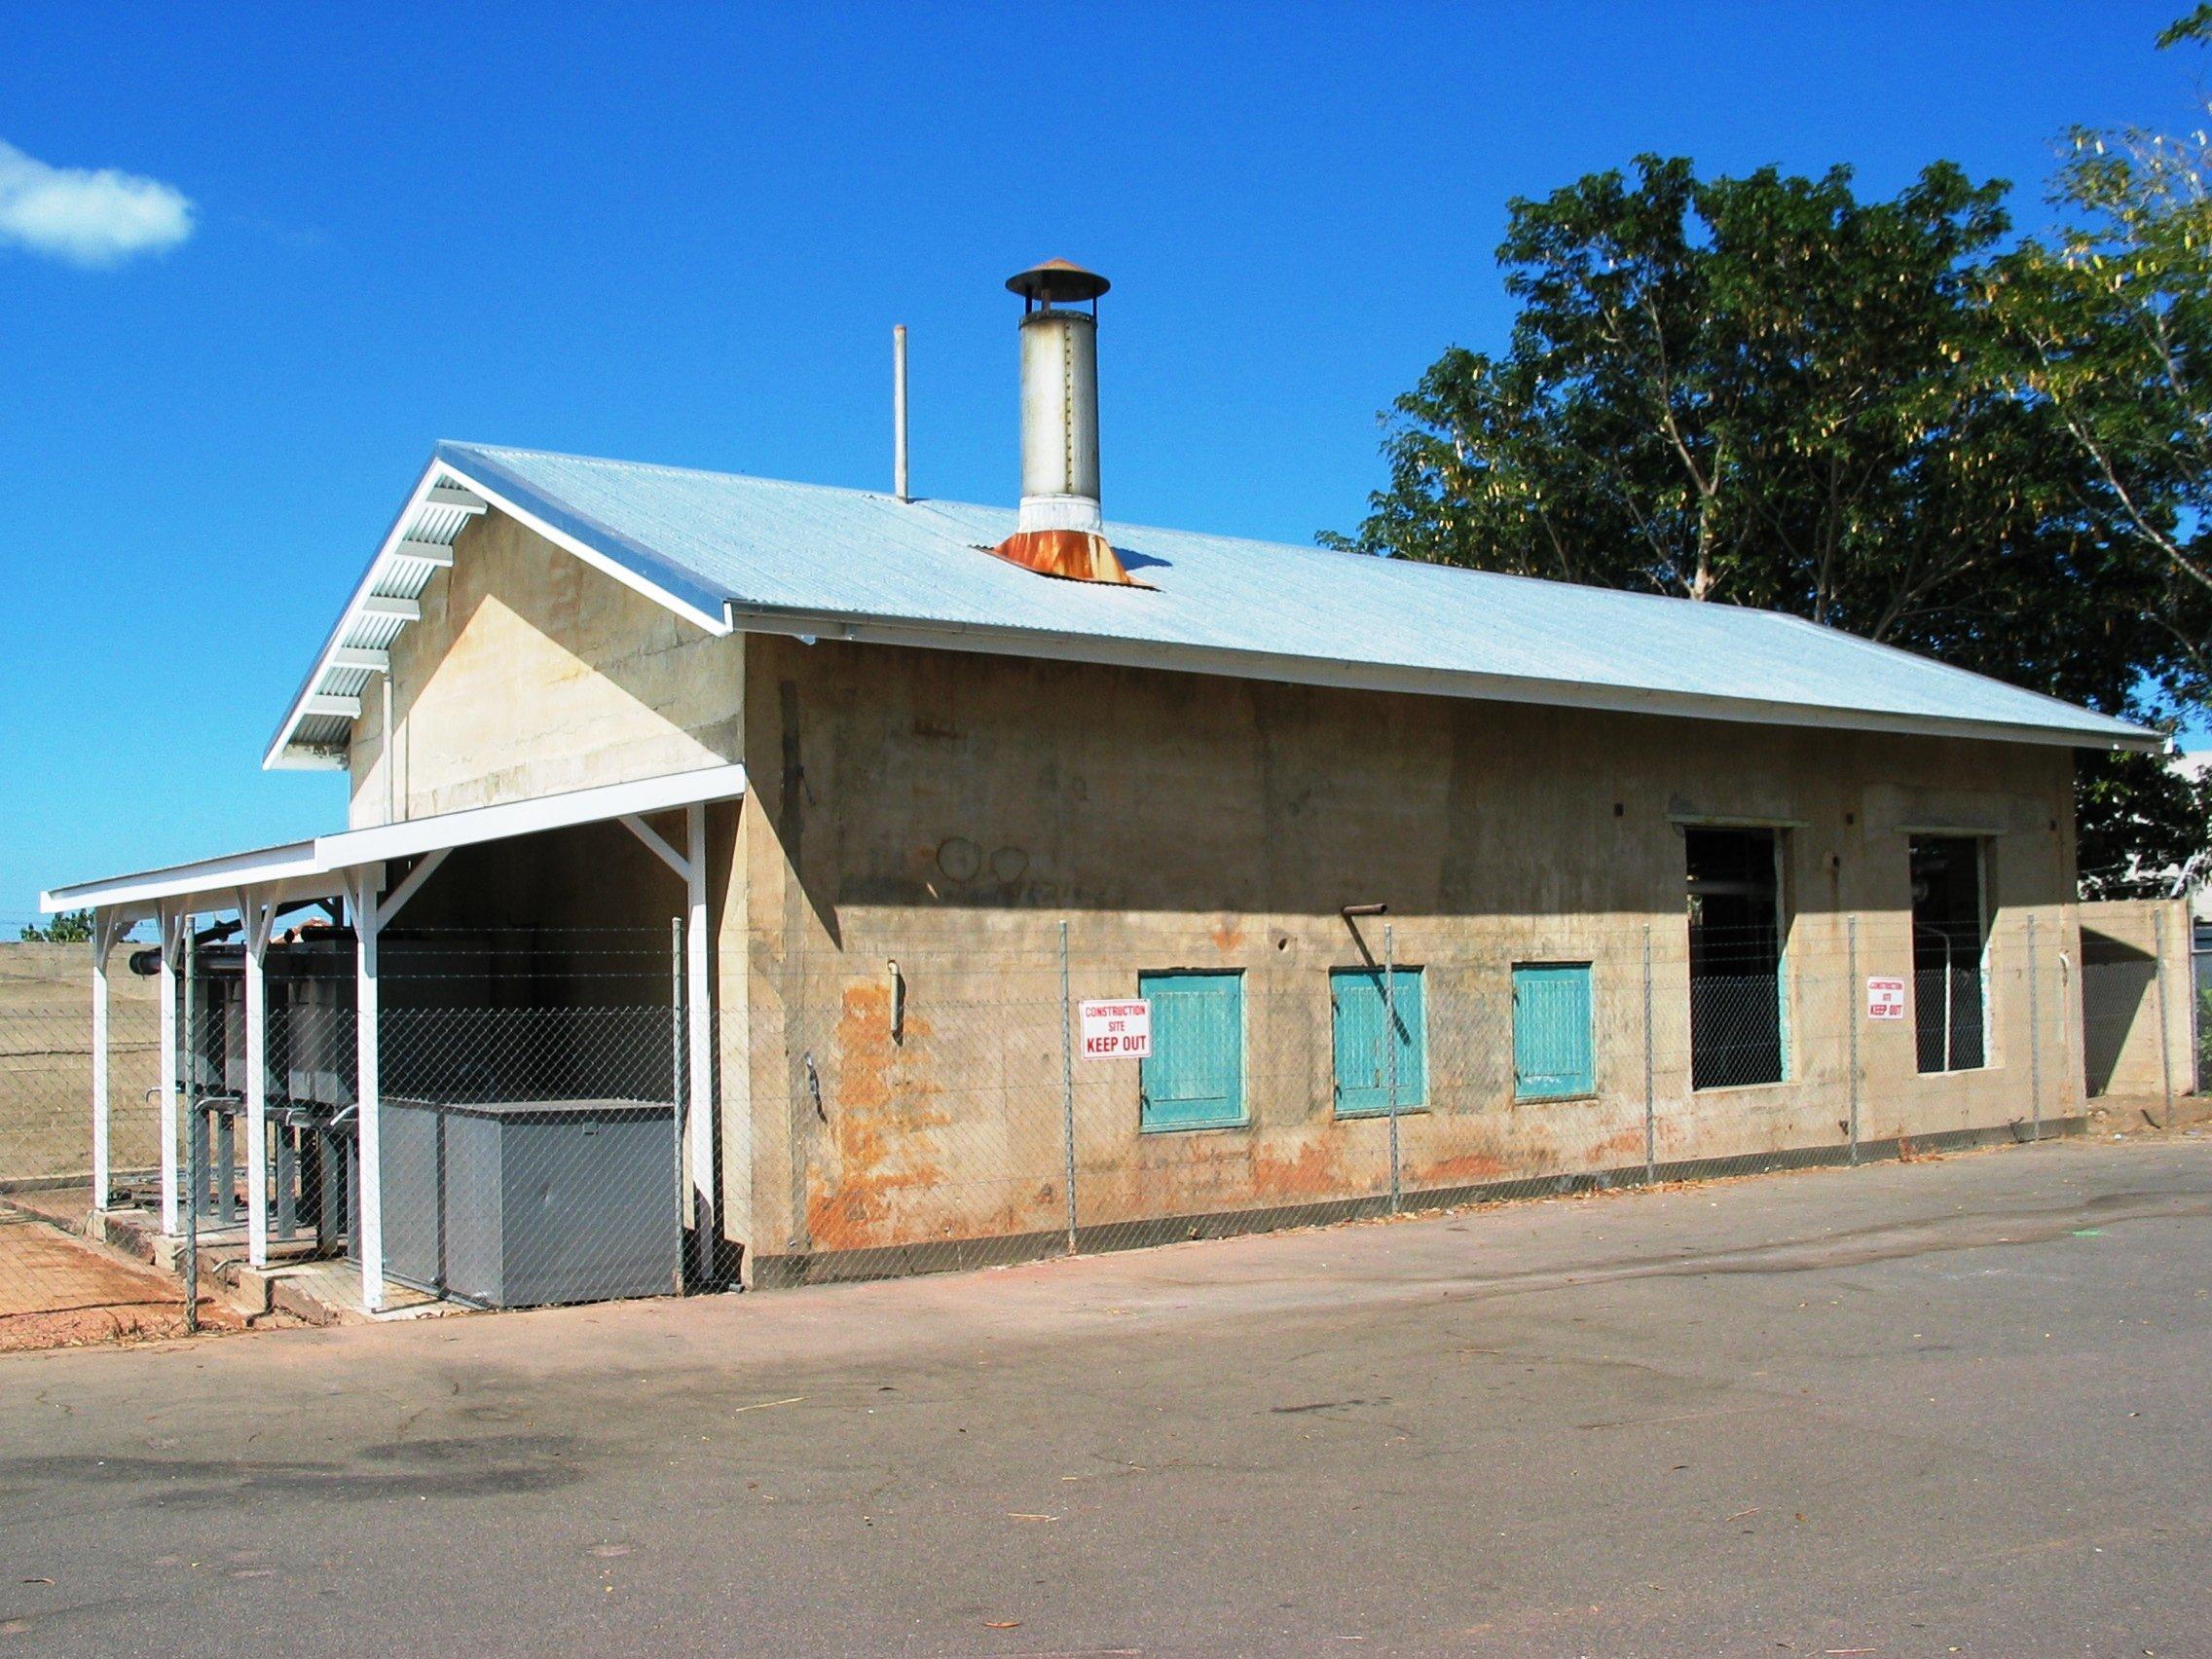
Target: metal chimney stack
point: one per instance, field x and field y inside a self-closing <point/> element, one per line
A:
<point x="1061" y="531"/>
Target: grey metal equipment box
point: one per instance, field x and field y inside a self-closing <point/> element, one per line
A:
<point x="518" y="1204"/>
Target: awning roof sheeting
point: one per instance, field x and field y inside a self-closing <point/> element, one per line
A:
<point x="309" y="870"/>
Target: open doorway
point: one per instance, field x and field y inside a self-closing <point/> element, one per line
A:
<point x="1735" y="928"/>
<point x="1949" y="933"/>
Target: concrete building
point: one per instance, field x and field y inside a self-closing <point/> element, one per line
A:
<point x="902" y="763"/>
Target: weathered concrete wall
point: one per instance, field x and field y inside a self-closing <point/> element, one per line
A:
<point x="948" y="811"/>
<point x="531" y="672"/>
<point x="2123" y="945"/>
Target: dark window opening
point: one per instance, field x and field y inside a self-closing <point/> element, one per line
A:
<point x="1734" y="916"/>
<point x="1947" y="939"/>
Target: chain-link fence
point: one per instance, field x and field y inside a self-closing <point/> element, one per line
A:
<point x="527" y="1151"/>
<point x="993" y="1089"/>
<point x="947" y="1107"/>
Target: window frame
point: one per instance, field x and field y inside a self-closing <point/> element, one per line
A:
<point x="1417" y="1039"/>
<point x="1243" y="1117"/>
<point x="1589" y="970"/>
<point x="1780" y="830"/>
<point x="1985" y="925"/>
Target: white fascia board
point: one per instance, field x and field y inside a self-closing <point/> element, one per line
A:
<point x="275" y="758"/>
<point x="1426" y="682"/>
<point x="223" y="876"/>
<point x="318" y="868"/>
<point x="450" y="481"/>
<point x="293" y="759"/>
<point x="714" y="621"/>
<point x="472" y="825"/>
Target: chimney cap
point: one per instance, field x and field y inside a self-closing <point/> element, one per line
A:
<point x="1057" y="282"/>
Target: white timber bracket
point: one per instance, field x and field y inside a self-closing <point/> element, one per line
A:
<point x="257" y="913"/>
<point x="108" y="927"/>
<point x="690" y="867"/>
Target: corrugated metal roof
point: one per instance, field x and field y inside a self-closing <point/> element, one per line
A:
<point x="793" y="555"/>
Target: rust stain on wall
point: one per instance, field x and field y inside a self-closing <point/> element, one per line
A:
<point x="1465" y="1170"/>
<point x="1226" y="936"/>
<point x="879" y="1124"/>
<point x="1311" y="1174"/>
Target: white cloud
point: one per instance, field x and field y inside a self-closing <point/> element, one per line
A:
<point x="87" y="216"/>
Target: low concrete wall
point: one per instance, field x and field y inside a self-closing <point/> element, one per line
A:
<point x="2125" y="946"/>
<point x="46" y="1069"/>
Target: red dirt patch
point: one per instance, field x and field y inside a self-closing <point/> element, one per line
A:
<point x="60" y="1292"/>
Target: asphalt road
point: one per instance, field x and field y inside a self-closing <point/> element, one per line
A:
<point x="1960" y="1406"/>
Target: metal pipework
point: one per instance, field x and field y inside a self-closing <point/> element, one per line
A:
<point x="899" y="412"/>
<point x="1059" y="398"/>
<point x="1060" y="532"/>
<point x="1060" y="421"/>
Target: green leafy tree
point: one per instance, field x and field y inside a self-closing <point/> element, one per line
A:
<point x="2144" y="829"/>
<point x="1767" y="391"/>
<point x="2114" y="315"/>
<point x="70" y="927"/>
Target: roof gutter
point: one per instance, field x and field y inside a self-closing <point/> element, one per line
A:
<point x="1422" y="681"/>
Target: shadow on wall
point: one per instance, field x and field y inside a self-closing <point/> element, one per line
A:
<point x="2119" y="990"/>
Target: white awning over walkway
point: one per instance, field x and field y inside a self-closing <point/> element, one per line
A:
<point x="353" y="864"/>
<point x="317" y="868"/>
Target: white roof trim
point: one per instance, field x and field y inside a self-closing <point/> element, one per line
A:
<point x="443" y="488"/>
<point x="318" y="869"/>
<point x="476" y="824"/>
<point x="1387" y="677"/>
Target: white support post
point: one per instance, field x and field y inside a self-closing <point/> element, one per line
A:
<point x="368" y="1089"/>
<point x="699" y="1017"/>
<point x="105" y="929"/>
<point x="255" y="915"/>
<point x="173" y="920"/>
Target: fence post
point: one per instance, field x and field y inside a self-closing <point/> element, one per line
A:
<point x="2165" y="1034"/>
<point x="2035" y="1040"/>
<point x="103" y="1182"/>
<point x="1650" y="1105"/>
<point x="1851" y="1016"/>
<point x="1067" y="1083"/>
<point x="196" y="1131"/>
<point x="676" y="1080"/>
<point x="1390" y="1048"/>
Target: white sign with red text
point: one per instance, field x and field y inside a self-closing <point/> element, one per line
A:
<point x="1116" y="1030"/>
<point x="1885" y="998"/>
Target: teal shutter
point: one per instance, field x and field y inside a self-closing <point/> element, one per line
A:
<point x="1358" y="1007"/>
<point x="1194" y="1078"/>
<point x="1552" y="1055"/>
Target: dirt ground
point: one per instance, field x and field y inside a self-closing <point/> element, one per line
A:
<point x="57" y="1291"/>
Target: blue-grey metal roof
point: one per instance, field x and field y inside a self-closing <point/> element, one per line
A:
<point x="801" y="558"/>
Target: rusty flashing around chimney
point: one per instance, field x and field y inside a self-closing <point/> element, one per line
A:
<point x="1073" y="555"/>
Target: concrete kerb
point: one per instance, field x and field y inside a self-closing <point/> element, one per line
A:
<point x="134" y="1234"/>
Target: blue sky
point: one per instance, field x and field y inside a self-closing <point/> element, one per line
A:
<point x="684" y="236"/>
